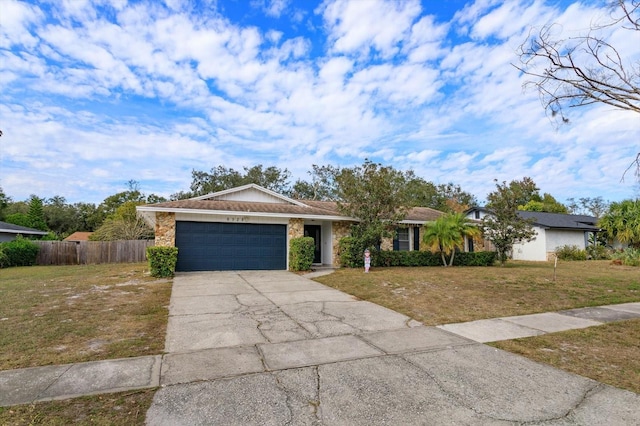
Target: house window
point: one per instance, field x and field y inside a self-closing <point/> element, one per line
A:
<point x="476" y="214"/>
<point x="403" y="239"/>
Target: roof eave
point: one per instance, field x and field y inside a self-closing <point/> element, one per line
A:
<point x="148" y="209"/>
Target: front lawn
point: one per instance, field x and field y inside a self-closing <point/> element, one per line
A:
<point x="64" y="314"/>
<point x="437" y="295"/>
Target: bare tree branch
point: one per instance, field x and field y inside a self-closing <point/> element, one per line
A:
<point x="584" y="70"/>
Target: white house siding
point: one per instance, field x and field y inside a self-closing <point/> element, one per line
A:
<point x="327" y="246"/>
<point x="557" y="239"/>
<point x="534" y="250"/>
<point x="252" y="195"/>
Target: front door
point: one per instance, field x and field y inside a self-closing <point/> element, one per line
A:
<point x="315" y="231"/>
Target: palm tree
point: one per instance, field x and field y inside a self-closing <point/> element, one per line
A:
<point x="447" y="233"/>
<point x="622" y="222"/>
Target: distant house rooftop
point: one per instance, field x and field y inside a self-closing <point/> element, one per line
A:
<point x="9" y="231"/>
<point x="78" y="236"/>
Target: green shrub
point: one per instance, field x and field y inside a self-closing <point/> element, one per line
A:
<point x="405" y="258"/>
<point x="4" y="260"/>
<point x="628" y="257"/>
<point x="301" y="252"/>
<point x="426" y="258"/>
<point x="19" y="252"/>
<point x="351" y="252"/>
<point x="571" y="252"/>
<point x="478" y="258"/>
<point x="598" y="252"/>
<point x="162" y="261"/>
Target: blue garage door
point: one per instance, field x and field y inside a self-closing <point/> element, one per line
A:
<point x="213" y="246"/>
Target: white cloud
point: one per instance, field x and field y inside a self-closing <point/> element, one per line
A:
<point x="355" y="27"/>
<point x="15" y="20"/>
<point x="152" y="91"/>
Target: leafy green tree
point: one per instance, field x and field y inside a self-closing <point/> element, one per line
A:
<point x="443" y="197"/>
<point x="454" y="199"/>
<point x="61" y="217"/>
<point x="375" y="195"/>
<point x="504" y="227"/>
<point x="36" y="213"/>
<point x="322" y="186"/>
<point x="4" y="202"/>
<point x="87" y="217"/>
<point x="123" y="224"/>
<point x="547" y="204"/>
<point x="523" y="191"/>
<point x="447" y="233"/>
<point x="622" y="222"/>
<point x="220" y="178"/>
<point x="20" y="219"/>
<point x="112" y="202"/>
<point x="595" y="206"/>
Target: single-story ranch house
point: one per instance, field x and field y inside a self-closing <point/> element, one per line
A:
<point x="552" y="230"/>
<point x="9" y="232"/>
<point x="249" y="227"/>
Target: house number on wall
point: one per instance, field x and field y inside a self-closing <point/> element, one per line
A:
<point x="237" y="219"/>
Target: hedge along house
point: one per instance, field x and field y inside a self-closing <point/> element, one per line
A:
<point x="249" y="227"/>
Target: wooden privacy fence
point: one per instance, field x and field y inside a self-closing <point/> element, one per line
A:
<point x="89" y="252"/>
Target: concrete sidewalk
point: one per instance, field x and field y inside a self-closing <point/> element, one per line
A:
<point x="278" y="348"/>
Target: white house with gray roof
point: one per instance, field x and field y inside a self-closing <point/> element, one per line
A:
<point x="552" y="230"/>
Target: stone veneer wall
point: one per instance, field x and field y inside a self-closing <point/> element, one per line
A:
<point x="423" y="246"/>
<point x="339" y="231"/>
<point x="386" y="244"/>
<point x="165" y="229"/>
<point x="296" y="228"/>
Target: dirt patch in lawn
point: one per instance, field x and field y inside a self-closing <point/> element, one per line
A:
<point x="65" y="314"/>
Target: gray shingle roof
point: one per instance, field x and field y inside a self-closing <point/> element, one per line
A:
<point x="562" y="221"/>
<point x="10" y="228"/>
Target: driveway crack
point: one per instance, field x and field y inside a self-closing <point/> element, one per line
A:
<point x="316" y="404"/>
<point x="287" y="398"/>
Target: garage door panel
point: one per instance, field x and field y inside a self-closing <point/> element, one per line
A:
<point x="230" y="246"/>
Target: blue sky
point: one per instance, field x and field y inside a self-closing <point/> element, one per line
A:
<point x="94" y="93"/>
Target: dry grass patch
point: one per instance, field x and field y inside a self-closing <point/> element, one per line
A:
<point x="438" y="295"/>
<point x="607" y="353"/>
<point x="65" y="314"/>
<point x="118" y="409"/>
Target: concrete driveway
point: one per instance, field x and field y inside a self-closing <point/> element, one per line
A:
<point x="275" y="348"/>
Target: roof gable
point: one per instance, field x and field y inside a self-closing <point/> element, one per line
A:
<point x="251" y="193"/>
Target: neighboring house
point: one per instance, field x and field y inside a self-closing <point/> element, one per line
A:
<point x="9" y="232"/>
<point x="552" y="230"/>
<point x="76" y="237"/>
<point x="249" y="227"/>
